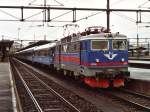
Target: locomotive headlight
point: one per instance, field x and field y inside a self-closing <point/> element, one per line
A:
<point x="122" y="59"/>
<point x="97" y="60"/>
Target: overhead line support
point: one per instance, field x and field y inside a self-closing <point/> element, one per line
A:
<point x="74" y="15"/>
<point x="22" y="14"/>
<point x="48" y="15"/>
<point x="66" y="8"/>
<point x="108" y="16"/>
<point x="47" y="10"/>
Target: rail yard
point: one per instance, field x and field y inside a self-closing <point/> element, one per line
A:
<point x="74" y="56"/>
<point x="53" y="93"/>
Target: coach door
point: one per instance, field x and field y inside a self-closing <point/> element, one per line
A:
<point x="59" y="48"/>
<point x="80" y="51"/>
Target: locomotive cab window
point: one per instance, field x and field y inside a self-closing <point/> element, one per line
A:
<point x="119" y="44"/>
<point x="99" y="44"/>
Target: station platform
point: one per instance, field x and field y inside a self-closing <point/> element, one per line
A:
<point x="140" y="68"/>
<point x="139" y="73"/>
<point x="143" y="58"/>
<point x="140" y="63"/>
<point x="6" y="104"/>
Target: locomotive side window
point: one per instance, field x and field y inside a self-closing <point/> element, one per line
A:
<point x="99" y="45"/>
<point x="73" y="47"/>
<point x="64" y="47"/>
<point x="119" y="44"/>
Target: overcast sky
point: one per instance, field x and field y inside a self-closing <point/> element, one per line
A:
<point x="120" y="22"/>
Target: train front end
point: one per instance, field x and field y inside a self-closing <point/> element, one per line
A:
<point x="105" y="60"/>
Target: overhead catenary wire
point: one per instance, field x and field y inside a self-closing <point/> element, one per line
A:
<point x="44" y="11"/>
<point x="140" y="6"/>
<point x="33" y="3"/>
<point x="59" y="3"/>
<point x="117" y="2"/>
<point x="89" y="16"/>
<point x="61" y="15"/>
<point x="124" y="16"/>
<point x="34" y="15"/>
<point x="9" y="14"/>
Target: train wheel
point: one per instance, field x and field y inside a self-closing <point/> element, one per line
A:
<point x="65" y="72"/>
<point x="75" y="75"/>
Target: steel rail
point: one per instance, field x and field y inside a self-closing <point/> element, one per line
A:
<point x="18" y="101"/>
<point x="134" y="93"/>
<point x="56" y="93"/>
<point x="29" y="92"/>
<point x="48" y="87"/>
<point x="111" y="94"/>
<point x="133" y="103"/>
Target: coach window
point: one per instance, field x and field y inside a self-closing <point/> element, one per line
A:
<point x="39" y="53"/>
<point x="36" y="53"/>
<point x="99" y="44"/>
<point x="47" y="52"/>
<point x="62" y="48"/>
<point x="44" y="53"/>
<point x="72" y="47"/>
<point x="77" y="46"/>
<point x="57" y="49"/>
<point x="119" y="44"/>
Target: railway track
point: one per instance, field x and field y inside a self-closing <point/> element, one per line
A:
<point x="134" y="100"/>
<point x="43" y="96"/>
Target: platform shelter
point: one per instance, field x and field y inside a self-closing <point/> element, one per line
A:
<point x="5" y="46"/>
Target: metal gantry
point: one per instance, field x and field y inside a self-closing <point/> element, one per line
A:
<point x="47" y="14"/>
<point x="48" y="9"/>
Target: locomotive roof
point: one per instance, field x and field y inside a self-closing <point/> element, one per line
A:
<point x="46" y="46"/>
<point x="104" y="36"/>
<point x="100" y="35"/>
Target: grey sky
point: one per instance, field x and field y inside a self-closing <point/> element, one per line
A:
<point x="119" y="23"/>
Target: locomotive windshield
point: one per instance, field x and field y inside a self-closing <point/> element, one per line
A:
<point x="99" y="44"/>
<point x="120" y="44"/>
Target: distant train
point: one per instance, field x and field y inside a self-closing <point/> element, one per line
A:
<point x="98" y="58"/>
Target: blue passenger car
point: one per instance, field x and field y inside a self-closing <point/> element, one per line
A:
<point x="44" y="54"/>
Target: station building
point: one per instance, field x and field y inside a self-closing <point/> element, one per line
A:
<point x="5" y="46"/>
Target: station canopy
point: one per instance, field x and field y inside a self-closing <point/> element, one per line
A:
<point x="6" y="43"/>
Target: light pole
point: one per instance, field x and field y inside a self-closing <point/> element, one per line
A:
<point x="19" y="37"/>
<point x="19" y="32"/>
<point x="2" y="37"/>
<point x="137" y="43"/>
<point x="138" y="38"/>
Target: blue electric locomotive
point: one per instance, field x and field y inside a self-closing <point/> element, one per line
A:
<point x="99" y="58"/>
